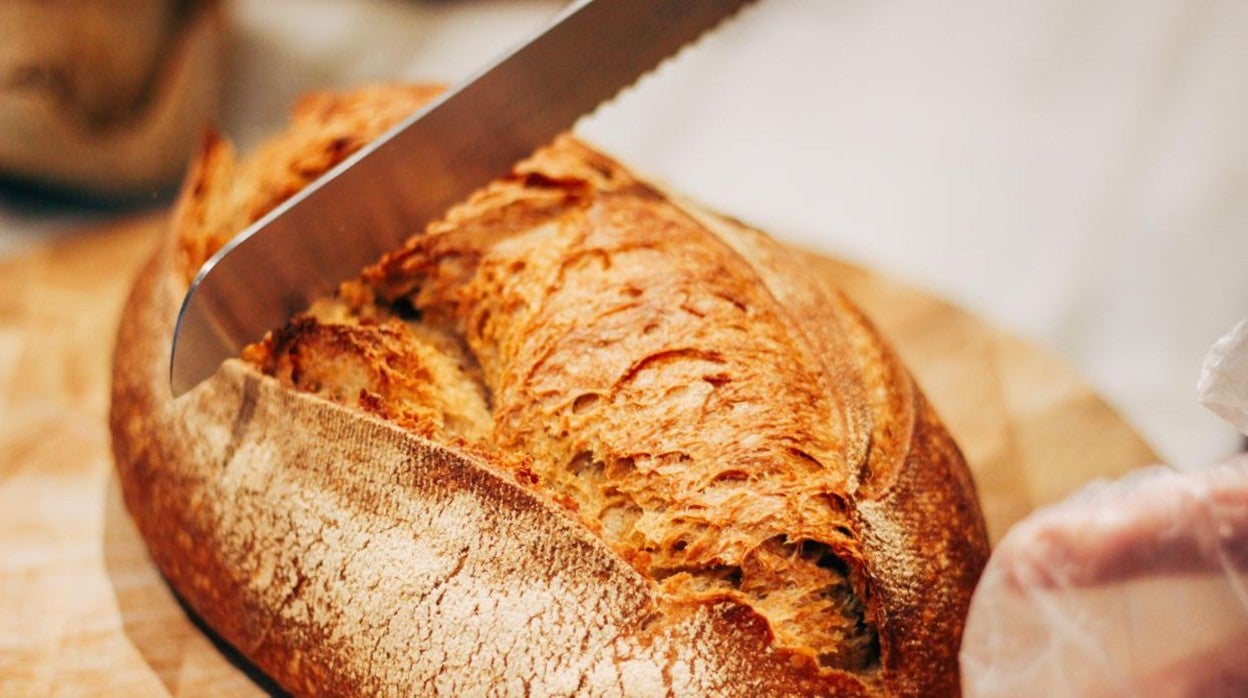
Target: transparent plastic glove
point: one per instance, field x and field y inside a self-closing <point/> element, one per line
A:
<point x="1137" y="587"/>
<point x="1224" y="380"/>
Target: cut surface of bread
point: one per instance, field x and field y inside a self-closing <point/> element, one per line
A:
<point x="674" y="386"/>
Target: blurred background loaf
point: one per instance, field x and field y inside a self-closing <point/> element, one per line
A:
<point x="105" y="99"/>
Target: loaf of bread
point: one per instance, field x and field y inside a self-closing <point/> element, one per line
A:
<point x="576" y="438"/>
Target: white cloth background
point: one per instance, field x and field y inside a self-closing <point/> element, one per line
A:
<point x="1074" y="172"/>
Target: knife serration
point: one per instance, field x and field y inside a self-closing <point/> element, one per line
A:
<point x="371" y="202"/>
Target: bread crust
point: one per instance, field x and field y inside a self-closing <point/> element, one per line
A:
<point x="344" y="555"/>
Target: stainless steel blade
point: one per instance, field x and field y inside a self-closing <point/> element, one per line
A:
<point x="411" y="175"/>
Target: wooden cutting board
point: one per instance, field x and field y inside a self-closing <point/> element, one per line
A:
<point x="83" y="610"/>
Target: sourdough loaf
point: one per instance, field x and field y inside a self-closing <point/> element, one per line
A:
<point x="577" y="437"/>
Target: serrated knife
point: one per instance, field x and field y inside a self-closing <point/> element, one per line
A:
<point x="392" y="188"/>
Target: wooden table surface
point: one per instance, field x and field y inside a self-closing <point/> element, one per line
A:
<point x="84" y="612"/>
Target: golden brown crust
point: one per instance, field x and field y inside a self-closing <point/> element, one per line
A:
<point x="923" y="539"/>
<point x="343" y="554"/>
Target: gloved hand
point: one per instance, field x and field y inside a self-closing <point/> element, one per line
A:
<point x="1137" y="587"/>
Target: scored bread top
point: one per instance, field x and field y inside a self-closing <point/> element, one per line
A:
<point x="679" y="384"/>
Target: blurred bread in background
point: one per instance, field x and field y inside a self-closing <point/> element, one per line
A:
<point x="106" y="98"/>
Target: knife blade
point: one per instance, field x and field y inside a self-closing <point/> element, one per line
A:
<point x="371" y="202"/>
